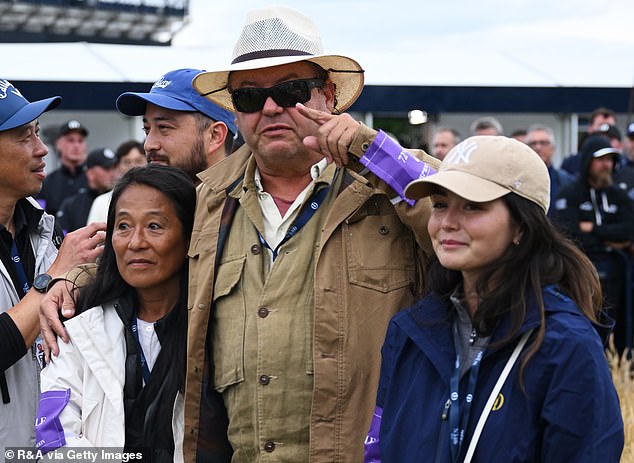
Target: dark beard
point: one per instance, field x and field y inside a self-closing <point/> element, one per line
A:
<point x="197" y="161"/>
<point x="602" y="180"/>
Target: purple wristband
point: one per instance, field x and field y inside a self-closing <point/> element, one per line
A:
<point x="371" y="451"/>
<point x="393" y="164"/>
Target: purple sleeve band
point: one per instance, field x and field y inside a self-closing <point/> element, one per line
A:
<point x="49" y="434"/>
<point x="393" y="164"/>
<point x="371" y="452"/>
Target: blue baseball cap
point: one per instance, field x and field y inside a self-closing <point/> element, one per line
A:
<point x="174" y="91"/>
<point x="15" y="110"/>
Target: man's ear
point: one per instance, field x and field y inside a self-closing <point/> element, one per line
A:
<point x="329" y="92"/>
<point x="215" y="136"/>
<point x="217" y="133"/>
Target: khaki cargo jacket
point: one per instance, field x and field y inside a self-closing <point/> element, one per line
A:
<point x="370" y="264"/>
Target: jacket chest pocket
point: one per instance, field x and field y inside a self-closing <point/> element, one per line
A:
<point x="380" y="253"/>
<point x="229" y="324"/>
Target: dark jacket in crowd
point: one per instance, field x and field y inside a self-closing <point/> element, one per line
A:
<point x="558" y="179"/>
<point x="609" y="209"/>
<point x="73" y="212"/>
<point x="59" y="185"/>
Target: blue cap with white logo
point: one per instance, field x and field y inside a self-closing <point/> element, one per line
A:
<point x="174" y="91"/>
<point x="15" y="110"/>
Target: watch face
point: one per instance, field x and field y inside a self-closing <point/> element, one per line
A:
<point x="41" y="282"/>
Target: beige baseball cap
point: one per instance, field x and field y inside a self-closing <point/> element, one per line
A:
<point x="484" y="168"/>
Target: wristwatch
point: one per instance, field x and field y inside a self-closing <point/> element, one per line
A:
<point x="41" y="281"/>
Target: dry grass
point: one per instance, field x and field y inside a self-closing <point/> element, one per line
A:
<point x="622" y="373"/>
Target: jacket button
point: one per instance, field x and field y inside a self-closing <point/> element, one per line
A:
<point x="263" y="312"/>
<point x="255" y="249"/>
<point x="269" y="446"/>
<point x="265" y="380"/>
<point x="365" y="146"/>
<point x="384" y="230"/>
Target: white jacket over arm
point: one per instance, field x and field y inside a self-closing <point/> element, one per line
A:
<point x="81" y="404"/>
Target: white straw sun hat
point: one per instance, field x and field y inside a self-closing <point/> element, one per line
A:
<point x="275" y="36"/>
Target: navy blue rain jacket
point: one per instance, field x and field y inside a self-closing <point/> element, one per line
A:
<point x="569" y="413"/>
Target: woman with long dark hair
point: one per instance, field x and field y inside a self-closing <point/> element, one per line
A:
<point x="117" y="383"/>
<point x="502" y="360"/>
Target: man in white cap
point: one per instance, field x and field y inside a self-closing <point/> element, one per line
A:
<point x="70" y="177"/>
<point x="29" y="259"/>
<point x="303" y="248"/>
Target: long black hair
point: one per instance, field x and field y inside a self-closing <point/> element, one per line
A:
<point x="543" y="257"/>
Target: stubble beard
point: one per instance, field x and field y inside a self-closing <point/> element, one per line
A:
<point x="197" y="162"/>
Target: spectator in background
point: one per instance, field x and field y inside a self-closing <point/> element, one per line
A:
<point x="599" y="217"/>
<point x="183" y="129"/>
<point x="444" y="139"/>
<point x="614" y="135"/>
<point x="73" y="212"/>
<point x="129" y="154"/>
<point x="628" y="144"/>
<point x="486" y="125"/>
<point x="598" y="117"/>
<point x="519" y="135"/>
<point x="542" y="140"/>
<point x="29" y="258"/>
<point x="624" y="176"/>
<point x="70" y="177"/>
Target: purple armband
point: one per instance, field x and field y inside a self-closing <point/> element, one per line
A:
<point x="49" y="434"/>
<point x="393" y="164"/>
<point x="371" y="452"/>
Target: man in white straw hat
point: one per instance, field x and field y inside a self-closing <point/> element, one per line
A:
<point x="303" y="248"/>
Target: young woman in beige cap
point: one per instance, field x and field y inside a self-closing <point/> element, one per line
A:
<point x="502" y="361"/>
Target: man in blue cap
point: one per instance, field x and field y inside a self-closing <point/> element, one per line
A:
<point x="183" y="129"/>
<point x="29" y="258"/>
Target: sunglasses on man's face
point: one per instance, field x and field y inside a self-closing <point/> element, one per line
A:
<point x="285" y="94"/>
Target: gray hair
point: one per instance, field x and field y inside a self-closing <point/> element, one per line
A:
<point x="542" y="128"/>
<point x="486" y="122"/>
<point x="457" y="138"/>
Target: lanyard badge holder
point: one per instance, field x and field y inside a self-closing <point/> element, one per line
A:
<point x="458" y="423"/>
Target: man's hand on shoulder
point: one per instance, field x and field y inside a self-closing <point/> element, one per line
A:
<point x="83" y="246"/>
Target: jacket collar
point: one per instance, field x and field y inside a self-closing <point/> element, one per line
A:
<point x="232" y="167"/>
<point x="428" y="325"/>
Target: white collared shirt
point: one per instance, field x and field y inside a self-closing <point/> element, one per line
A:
<point x="276" y="226"/>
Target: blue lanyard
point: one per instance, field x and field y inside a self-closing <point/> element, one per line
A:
<point x="308" y="211"/>
<point x="144" y="366"/>
<point x="19" y="268"/>
<point x="25" y="286"/>
<point x="459" y="419"/>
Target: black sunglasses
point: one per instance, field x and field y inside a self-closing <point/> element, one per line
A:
<point x="285" y="94"/>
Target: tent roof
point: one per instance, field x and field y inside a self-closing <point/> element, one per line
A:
<point x="435" y="64"/>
